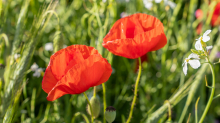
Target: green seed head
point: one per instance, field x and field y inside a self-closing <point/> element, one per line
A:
<point x="110" y="114"/>
<point x="95" y="107"/>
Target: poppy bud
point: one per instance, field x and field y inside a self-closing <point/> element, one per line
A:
<point x="94" y="101"/>
<point x="110" y="114"/>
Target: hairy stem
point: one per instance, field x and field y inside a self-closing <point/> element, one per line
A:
<point x="89" y="106"/>
<point x="104" y="102"/>
<point x="135" y="92"/>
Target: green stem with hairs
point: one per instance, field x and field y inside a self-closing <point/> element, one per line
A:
<point x="104" y="101"/>
<point x="94" y="91"/>
<point x="89" y="106"/>
<point x="135" y="92"/>
<point x="211" y="96"/>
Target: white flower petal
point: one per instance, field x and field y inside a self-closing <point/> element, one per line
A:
<point x="37" y="72"/>
<point x="48" y="46"/>
<point x="158" y="1"/>
<point x="34" y="67"/>
<point x="209" y="48"/>
<point x="193" y="55"/>
<point x="185" y="68"/>
<point x="194" y="63"/>
<point x="198" y="45"/>
<point x="64" y="46"/>
<point x="205" y="36"/>
<point x="207" y="32"/>
<point x="16" y="56"/>
<point x="171" y="4"/>
<point x="149" y="6"/>
<point x="184" y="63"/>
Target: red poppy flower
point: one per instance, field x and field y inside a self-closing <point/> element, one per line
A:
<point x="216" y="15"/>
<point x="74" y="70"/>
<point x="199" y="15"/>
<point x="135" y="35"/>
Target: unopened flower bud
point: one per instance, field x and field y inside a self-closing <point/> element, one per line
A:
<point x="195" y="51"/>
<point x="110" y="114"/>
<point x="202" y="57"/>
<point x="94" y="101"/>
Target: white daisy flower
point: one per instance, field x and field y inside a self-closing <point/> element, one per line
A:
<point x="34" y="67"/>
<point x="193" y="60"/>
<point x="38" y="72"/>
<point x="48" y="46"/>
<point x="203" y="38"/>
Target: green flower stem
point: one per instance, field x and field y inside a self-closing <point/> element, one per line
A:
<point x="135" y="92"/>
<point x="211" y="96"/>
<point x="94" y="91"/>
<point x="104" y="101"/>
<point x="89" y="106"/>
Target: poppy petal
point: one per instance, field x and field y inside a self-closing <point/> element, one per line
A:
<point x="58" y="91"/>
<point x="62" y="60"/>
<point x="49" y="80"/>
<point x="91" y="72"/>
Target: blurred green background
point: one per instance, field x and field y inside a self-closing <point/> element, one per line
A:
<point x="30" y="28"/>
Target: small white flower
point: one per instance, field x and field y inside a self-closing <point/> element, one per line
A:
<point x="16" y="56"/>
<point x="170" y="3"/>
<point x="148" y="4"/>
<point x="203" y="38"/>
<point x="48" y="46"/>
<point x="38" y="72"/>
<point x="103" y="1"/>
<point x="209" y="48"/>
<point x="158" y="1"/>
<point x="123" y="14"/>
<point x="34" y="67"/>
<point x="64" y="46"/>
<point x="193" y="60"/>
